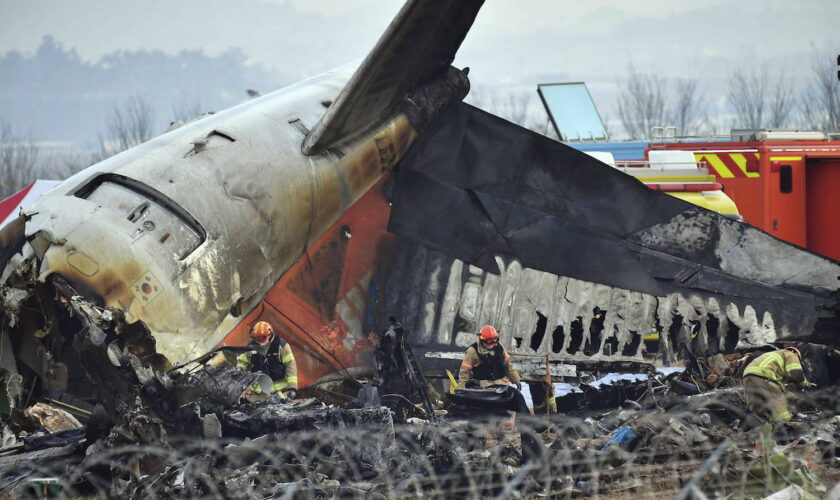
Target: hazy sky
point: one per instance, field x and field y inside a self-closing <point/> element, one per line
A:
<point x="512" y="41"/>
<point x="521" y="42"/>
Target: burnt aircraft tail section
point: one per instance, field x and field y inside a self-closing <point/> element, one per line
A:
<point x="489" y="188"/>
<point x="416" y="50"/>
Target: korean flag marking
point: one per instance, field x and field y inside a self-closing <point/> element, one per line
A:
<point x="146" y="288"/>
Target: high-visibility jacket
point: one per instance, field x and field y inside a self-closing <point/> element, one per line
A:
<point x="780" y="366"/>
<point x="278" y="363"/>
<point x="544" y="393"/>
<point x="489" y="366"/>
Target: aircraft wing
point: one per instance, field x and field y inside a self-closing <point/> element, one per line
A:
<point x="418" y="47"/>
<point x="486" y="187"/>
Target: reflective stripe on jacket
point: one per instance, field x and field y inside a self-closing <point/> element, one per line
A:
<point x="777" y="366"/>
<point x="289" y="381"/>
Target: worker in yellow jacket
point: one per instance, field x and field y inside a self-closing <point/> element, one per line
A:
<point x="272" y="356"/>
<point x="765" y="379"/>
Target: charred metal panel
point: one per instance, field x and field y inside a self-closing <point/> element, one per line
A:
<point x="515" y="301"/>
<point x="328" y="331"/>
<point x="319" y="285"/>
<point x="489" y="188"/>
<point x="570" y="321"/>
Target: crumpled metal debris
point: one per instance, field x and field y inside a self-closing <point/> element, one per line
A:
<point x="308" y="449"/>
<point x="175" y="433"/>
<point x="51" y="419"/>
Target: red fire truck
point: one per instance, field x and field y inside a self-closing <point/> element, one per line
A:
<point x="785" y="182"/>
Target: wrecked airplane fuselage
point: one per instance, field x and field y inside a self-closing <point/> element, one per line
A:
<point x="181" y="237"/>
<point x="190" y="229"/>
<point x="280" y="209"/>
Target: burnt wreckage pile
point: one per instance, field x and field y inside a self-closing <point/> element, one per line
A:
<point x="186" y="432"/>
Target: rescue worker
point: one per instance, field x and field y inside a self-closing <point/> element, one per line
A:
<point x="488" y="362"/>
<point x="543" y="404"/>
<point x="273" y="357"/>
<point x="765" y="379"/>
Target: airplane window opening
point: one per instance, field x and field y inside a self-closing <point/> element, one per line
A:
<point x="575" y="336"/>
<point x="631" y="347"/>
<point x="610" y="345"/>
<point x="557" y="338"/>
<point x="539" y="332"/>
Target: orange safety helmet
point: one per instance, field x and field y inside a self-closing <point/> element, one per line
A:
<point x="488" y="335"/>
<point x="262" y="332"/>
<point x="795" y="351"/>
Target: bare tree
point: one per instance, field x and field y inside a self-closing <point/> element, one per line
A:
<point x="758" y="101"/>
<point x="129" y="124"/>
<point x="748" y="97"/>
<point x="518" y="107"/>
<point x="606" y="119"/>
<point x="820" y="104"/>
<point x="687" y="112"/>
<point x="641" y="103"/>
<point x="515" y="106"/>
<point x="715" y="124"/>
<point x="781" y="97"/>
<point x="64" y="165"/>
<point x="18" y="160"/>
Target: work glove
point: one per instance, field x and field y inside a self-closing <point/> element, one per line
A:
<point x="244" y="397"/>
<point x="290" y="393"/>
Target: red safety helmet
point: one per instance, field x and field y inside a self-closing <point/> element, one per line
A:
<point x="261" y="332"/>
<point x="795" y="351"/>
<point x="488" y="335"/>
